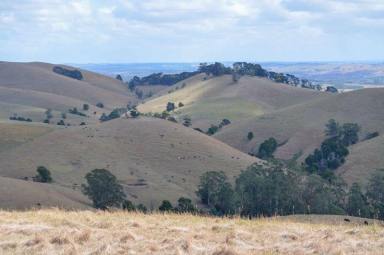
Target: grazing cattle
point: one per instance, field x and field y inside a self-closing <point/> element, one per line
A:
<point x="347" y="220"/>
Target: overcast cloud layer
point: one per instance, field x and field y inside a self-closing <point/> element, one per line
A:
<point x="191" y="30"/>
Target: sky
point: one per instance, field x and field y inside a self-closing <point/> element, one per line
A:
<point x="132" y="31"/>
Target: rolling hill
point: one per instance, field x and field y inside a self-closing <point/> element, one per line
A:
<point x="300" y="128"/>
<point x="153" y="159"/>
<point x="32" y="88"/>
<point x="208" y="100"/>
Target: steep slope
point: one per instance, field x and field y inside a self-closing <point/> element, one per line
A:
<point x="154" y="159"/>
<point x="300" y="128"/>
<point x="364" y="159"/>
<point x="209" y="100"/>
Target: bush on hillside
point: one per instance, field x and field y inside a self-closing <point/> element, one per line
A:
<point x="85" y="107"/>
<point x="267" y="148"/>
<point x="128" y="206"/>
<point x="43" y="175"/>
<point x="165" y="206"/>
<point x="170" y="107"/>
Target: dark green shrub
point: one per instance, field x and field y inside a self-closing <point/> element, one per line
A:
<point x="165" y="206"/>
<point x="43" y="175"/>
<point x="103" y="189"/>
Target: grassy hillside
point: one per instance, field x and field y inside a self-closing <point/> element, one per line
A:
<point x="301" y="127"/>
<point x="31" y="88"/>
<point x="364" y="159"/>
<point x="60" y="232"/>
<point x="208" y="101"/>
<point x="154" y="159"/>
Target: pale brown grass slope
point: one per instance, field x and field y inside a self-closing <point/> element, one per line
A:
<point x="301" y="127"/>
<point x="33" y="87"/>
<point x="153" y="159"/>
<point x="86" y="232"/>
<point x="93" y="88"/>
<point x="208" y="101"/>
<point x="364" y="159"/>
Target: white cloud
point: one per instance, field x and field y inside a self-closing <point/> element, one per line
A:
<point x="156" y="30"/>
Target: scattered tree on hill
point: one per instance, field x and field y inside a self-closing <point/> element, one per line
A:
<point x="134" y="113"/>
<point x="141" y="208"/>
<point x="187" y="121"/>
<point x="85" y="107"/>
<point x="75" y="74"/>
<point x="215" y="69"/>
<point x="185" y="205"/>
<point x="76" y="112"/>
<point x="128" y="206"/>
<point x="181" y="104"/>
<point x="334" y="149"/>
<point x="43" y="175"/>
<point x="165" y="206"/>
<point x="103" y="189"/>
<point x="170" y="106"/>
<point x="224" y="122"/>
<point x="212" y="130"/>
<point x="61" y="123"/>
<point x="375" y="193"/>
<point x="350" y="133"/>
<point x="357" y="204"/>
<point x="48" y="114"/>
<point x="15" y="117"/>
<point x="118" y="77"/>
<point x="267" y="148"/>
<point x="216" y="192"/>
<point x="250" y="136"/>
<point x="372" y="135"/>
<point x="332" y="128"/>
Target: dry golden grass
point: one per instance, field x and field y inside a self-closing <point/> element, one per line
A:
<point x="85" y="232"/>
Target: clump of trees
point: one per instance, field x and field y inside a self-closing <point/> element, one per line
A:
<point x="267" y="190"/>
<point x="334" y="149"/>
<point x="114" y="114"/>
<point x="213" y="129"/>
<point x="273" y="189"/>
<point x="43" y="175"/>
<point x="75" y="74"/>
<point x="18" y="118"/>
<point x="267" y="148"/>
<point x="159" y="79"/>
<point x="76" y="112"/>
